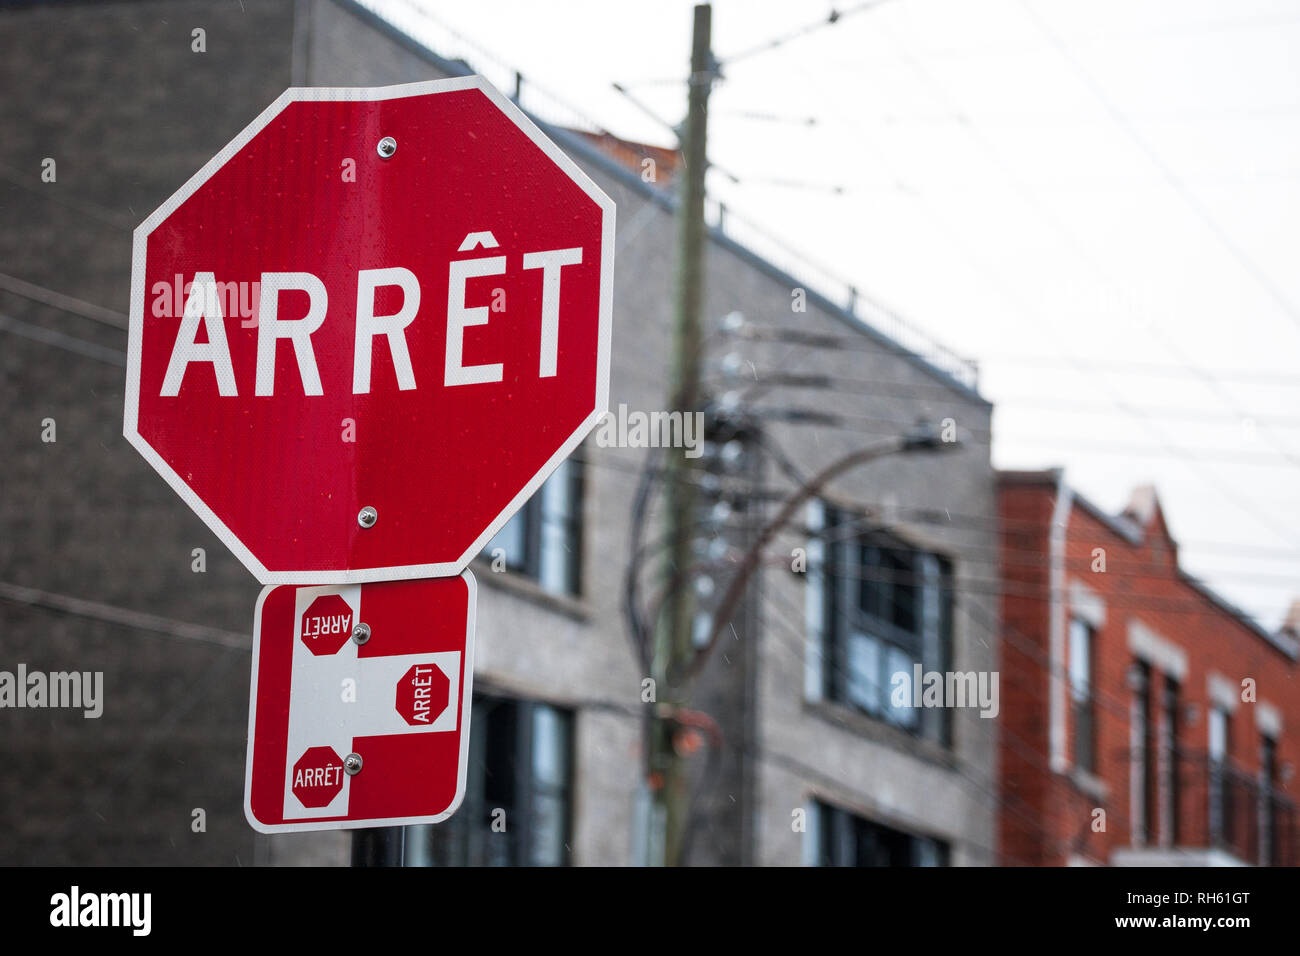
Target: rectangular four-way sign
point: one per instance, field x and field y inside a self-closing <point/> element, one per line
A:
<point x="360" y="704"/>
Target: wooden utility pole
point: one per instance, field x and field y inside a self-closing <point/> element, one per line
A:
<point x="673" y="648"/>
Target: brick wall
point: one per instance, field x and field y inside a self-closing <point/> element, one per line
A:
<point x="1025" y="512"/>
<point x="1143" y="610"/>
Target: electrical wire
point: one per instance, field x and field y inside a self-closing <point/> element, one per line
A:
<point x="1175" y="183"/>
<point x="833" y="18"/>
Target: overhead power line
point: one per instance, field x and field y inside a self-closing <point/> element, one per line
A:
<point x="855" y="423"/>
<point x="58" y="340"/>
<point x="121" y="616"/>
<point x="833" y="18"/>
<point x="65" y="303"/>
<point x="1121" y="120"/>
<point x="1226" y="491"/>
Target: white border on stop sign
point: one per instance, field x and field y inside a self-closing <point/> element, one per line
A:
<point x="462" y="758"/>
<point x="130" y="426"/>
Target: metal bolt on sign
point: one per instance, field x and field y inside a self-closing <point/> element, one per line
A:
<point x="352" y="764"/>
<point x="367" y="517"/>
<point x="387" y="146"/>
<point x="361" y="633"/>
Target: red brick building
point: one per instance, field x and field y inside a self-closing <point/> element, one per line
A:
<point x="1144" y="719"/>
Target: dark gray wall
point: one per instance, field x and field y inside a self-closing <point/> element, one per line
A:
<point x="113" y="93"/>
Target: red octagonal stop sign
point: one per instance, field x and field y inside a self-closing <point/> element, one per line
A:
<point x="317" y="776"/>
<point x="326" y="625"/>
<point x="423" y="693"/>
<point x="395" y="299"/>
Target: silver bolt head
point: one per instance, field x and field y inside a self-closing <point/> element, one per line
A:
<point x="361" y="633"/>
<point x="352" y="764"/>
<point x="387" y="146"/>
<point x="367" y="517"/>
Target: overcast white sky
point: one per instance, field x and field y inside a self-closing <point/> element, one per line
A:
<point x="1096" y="199"/>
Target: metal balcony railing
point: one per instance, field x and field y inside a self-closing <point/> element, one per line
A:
<point x="1203" y="803"/>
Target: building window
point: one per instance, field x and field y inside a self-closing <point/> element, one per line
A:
<point x="1269" y="841"/>
<point x="1172" y="757"/>
<point x="1142" y="749"/>
<point x="519" y="791"/>
<point x="1081" y="695"/>
<point x="884" y="608"/>
<point x="843" y="839"/>
<point x="543" y="540"/>
<point x="1220" y="747"/>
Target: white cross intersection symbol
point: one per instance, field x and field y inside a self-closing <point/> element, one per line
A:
<point x="319" y="714"/>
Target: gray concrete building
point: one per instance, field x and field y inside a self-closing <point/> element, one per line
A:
<point x="813" y="760"/>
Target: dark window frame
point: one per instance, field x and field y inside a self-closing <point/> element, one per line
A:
<point x="1148" y="781"/>
<point x="1220" y="768"/>
<point x="1171" y="725"/>
<point x="1270" y="837"/>
<point x="1083" y="707"/>
<point x="531" y="519"/>
<point x="841" y="834"/>
<point x="885" y="566"/>
<point x="500" y="776"/>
